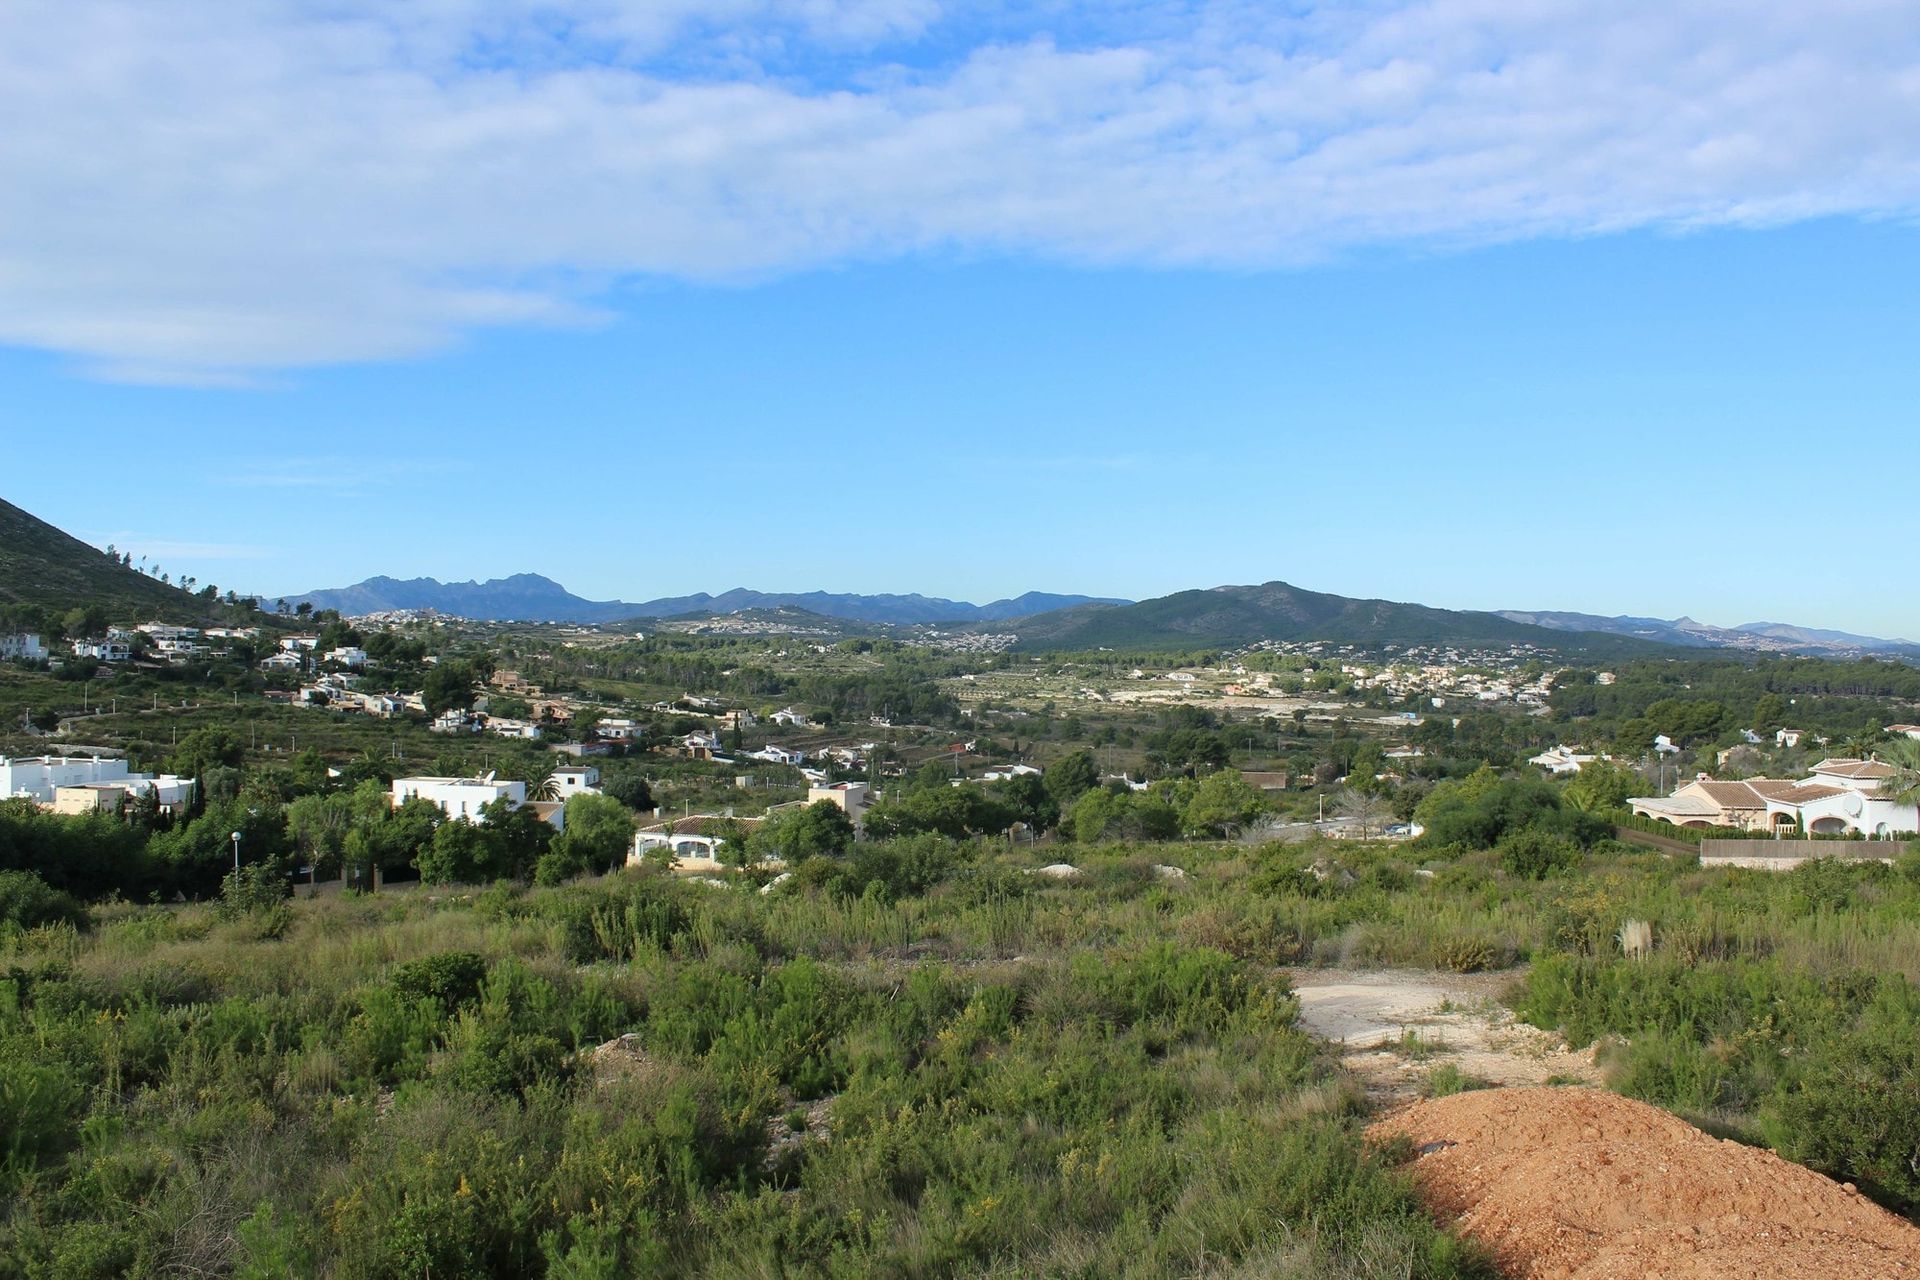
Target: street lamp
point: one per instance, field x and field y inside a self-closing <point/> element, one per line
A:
<point x="236" y="853"/>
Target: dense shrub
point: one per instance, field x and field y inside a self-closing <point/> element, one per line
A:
<point x="449" y="979"/>
<point x="1536" y="854"/>
<point x="27" y="901"/>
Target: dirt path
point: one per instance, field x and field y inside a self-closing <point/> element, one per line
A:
<point x="1395" y="1028"/>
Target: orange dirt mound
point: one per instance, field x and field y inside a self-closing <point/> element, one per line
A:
<point x="1580" y="1184"/>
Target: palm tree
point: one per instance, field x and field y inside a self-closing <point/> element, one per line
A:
<point x="1902" y="755"/>
<point x="545" y="788"/>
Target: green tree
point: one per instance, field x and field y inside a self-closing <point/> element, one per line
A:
<point x="1222" y="805"/>
<point x="1093" y="815"/>
<point x="461" y="852"/>
<point x="1026" y="797"/>
<point x="598" y="832"/>
<point x="1602" y="785"/>
<point x="1072" y="776"/>
<point x="203" y="749"/>
<point x="819" y="829"/>
<point x="449" y="685"/>
<point x="630" y="789"/>
<point x="318" y="827"/>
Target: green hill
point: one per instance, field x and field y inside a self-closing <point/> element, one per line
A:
<point x="1278" y="611"/>
<point x="40" y="565"/>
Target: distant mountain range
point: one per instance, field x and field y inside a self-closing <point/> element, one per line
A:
<point x="529" y="597"/>
<point x="1280" y="611"/>
<point x="1763" y="637"/>
<point x="40" y="564"/>
<point x="1229" y="615"/>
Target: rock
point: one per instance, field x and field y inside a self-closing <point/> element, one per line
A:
<point x="1058" y="871"/>
<point x="1324" y="870"/>
<point x="775" y="883"/>
<point x="1169" y="873"/>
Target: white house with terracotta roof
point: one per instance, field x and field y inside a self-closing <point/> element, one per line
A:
<point x="1561" y="761"/>
<point x="1842" y="797"/>
<point x="1859" y="775"/>
<point x="1905" y="730"/>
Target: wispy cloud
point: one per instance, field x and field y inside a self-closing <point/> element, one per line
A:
<point x="333" y="475"/>
<point x="210" y="191"/>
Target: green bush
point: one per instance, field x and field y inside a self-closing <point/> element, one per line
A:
<point x="450" y="979"/>
<point x="1537" y="854"/>
<point x="27" y="902"/>
<point x="39" y="1110"/>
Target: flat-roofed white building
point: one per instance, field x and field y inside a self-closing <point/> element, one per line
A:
<point x="41" y="778"/>
<point x="459" y="797"/>
<point x="25" y="645"/>
<point x="576" y="780"/>
<point x="854" y="797"/>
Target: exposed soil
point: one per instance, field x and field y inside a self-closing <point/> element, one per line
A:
<point x="1581" y="1184"/>
<point x="1394" y="1028"/>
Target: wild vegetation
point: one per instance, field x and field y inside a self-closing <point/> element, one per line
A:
<point x="914" y="1059"/>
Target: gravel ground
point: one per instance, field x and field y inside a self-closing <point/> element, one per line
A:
<point x="1394" y="1028"/>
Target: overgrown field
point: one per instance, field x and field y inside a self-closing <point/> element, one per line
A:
<point x="914" y="1061"/>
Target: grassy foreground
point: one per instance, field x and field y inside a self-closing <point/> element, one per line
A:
<point x="916" y="1061"/>
<point x="998" y="1077"/>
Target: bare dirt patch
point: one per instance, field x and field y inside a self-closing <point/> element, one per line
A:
<point x="1581" y="1184"/>
<point x="1394" y="1028"/>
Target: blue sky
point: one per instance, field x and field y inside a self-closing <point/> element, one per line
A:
<point x="1533" y="306"/>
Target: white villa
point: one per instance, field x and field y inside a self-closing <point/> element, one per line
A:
<point x="691" y="840"/>
<point x="1005" y="772"/>
<point x="1560" y="761"/>
<point x="777" y="755"/>
<point x="1840" y="798"/>
<point x="460" y="797"/>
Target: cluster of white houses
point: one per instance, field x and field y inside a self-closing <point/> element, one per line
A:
<point x="88" y="784"/>
<point x="1841" y="797"/>
<point x="164" y="639"/>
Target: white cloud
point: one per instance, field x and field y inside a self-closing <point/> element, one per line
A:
<point x="339" y="476"/>
<point x="207" y="191"/>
